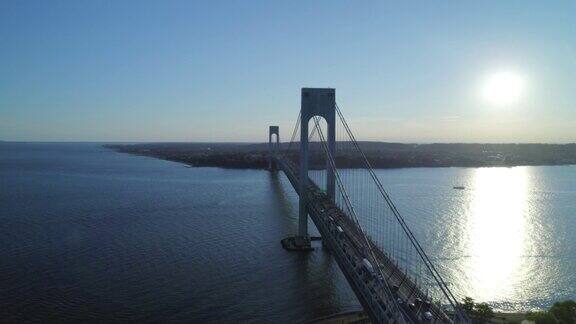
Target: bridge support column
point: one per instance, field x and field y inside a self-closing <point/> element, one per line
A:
<point x="315" y="102"/>
<point x="331" y="138"/>
<point x="273" y="147"/>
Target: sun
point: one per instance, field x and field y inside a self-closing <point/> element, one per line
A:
<point x="503" y="88"/>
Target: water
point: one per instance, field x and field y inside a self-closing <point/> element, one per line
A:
<point x="90" y="234"/>
<point x="507" y="239"/>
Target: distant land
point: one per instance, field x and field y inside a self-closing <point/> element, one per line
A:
<point x="381" y="155"/>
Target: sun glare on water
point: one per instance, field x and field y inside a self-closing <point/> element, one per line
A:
<point x="497" y="231"/>
<point x="503" y="88"/>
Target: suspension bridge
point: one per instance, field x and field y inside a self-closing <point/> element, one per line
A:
<point x="389" y="271"/>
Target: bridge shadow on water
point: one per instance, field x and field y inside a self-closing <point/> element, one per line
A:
<point x="317" y="274"/>
<point x="288" y="214"/>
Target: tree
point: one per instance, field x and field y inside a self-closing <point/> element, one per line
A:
<point x="565" y="312"/>
<point x="542" y="318"/>
<point x="468" y="305"/>
<point x="483" y="311"/>
<point x="560" y="313"/>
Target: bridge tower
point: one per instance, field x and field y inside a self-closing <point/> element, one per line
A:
<point x="273" y="147"/>
<point x="315" y="102"/>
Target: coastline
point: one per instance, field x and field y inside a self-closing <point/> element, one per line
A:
<point x="255" y="156"/>
<point x="359" y="317"/>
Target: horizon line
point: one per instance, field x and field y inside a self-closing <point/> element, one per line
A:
<point x="252" y="142"/>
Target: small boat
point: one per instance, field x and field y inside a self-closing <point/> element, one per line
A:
<point x="459" y="187"/>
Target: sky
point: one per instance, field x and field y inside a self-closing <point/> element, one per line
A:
<point x="404" y="71"/>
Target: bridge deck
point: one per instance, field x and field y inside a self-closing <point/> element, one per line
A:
<point x="349" y="245"/>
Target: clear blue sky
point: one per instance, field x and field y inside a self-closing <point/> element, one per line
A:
<point x="225" y="70"/>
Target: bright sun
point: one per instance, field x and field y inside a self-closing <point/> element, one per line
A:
<point x="503" y="88"/>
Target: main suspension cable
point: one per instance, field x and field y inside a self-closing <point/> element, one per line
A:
<point x="350" y="207"/>
<point x="427" y="262"/>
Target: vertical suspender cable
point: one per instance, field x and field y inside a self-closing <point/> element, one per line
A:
<point x="442" y="284"/>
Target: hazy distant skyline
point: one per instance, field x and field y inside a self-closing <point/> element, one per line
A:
<point x="224" y="71"/>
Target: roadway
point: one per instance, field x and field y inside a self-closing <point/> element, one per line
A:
<point x="383" y="294"/>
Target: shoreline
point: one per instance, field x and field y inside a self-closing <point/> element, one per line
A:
<point x="259" y="160"/>
<point x="359" y="317"/>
